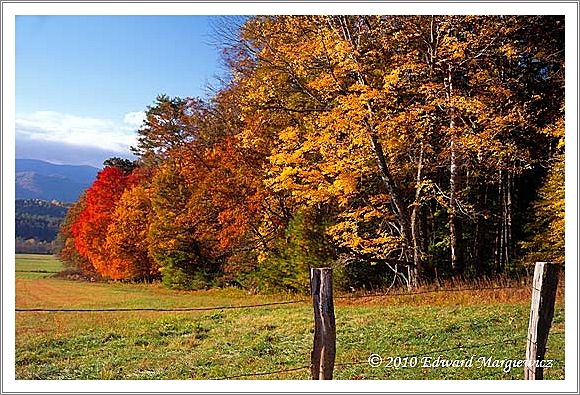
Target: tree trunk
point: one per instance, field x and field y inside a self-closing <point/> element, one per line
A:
<point x="479" y="238"/>
<point x="455" y="233"/>
<point x="508" y="218"/>
<point x="417" y="233"/>
<point x="397" y="200"/>
<point x="418" y="243"/>
<point x="454" y="222"/>
<point x="499" y="248"/>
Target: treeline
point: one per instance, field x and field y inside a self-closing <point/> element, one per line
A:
<point x="37" y="225"/>
<point x="393" y="148"/>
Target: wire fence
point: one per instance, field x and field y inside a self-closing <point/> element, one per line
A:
<point x="174" y="309"/>
<point x="308" y="300"/>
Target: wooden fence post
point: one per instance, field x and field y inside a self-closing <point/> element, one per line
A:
<point x="324" y="349"/>
<point x="544" y="289"/>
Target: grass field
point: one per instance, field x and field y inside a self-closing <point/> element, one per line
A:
<point x="226" y="343"/>
<point x="36" y="266"/>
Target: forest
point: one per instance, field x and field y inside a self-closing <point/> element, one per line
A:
<point x="395" y="149"/>
<point x="37" y="225"/>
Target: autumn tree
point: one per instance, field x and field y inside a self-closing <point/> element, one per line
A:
<point x="126" y="240"/>
<point x="208" y="201"/>
<point x="124" y="164"/>
<point x="170" y="123"/>
<point x="68" y="252"/>
<point x="329" y="152"/>
<point x="90" y="229"/>
<point x="546" y="241"/>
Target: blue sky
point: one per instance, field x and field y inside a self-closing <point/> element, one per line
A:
<point x="83" y="82"/>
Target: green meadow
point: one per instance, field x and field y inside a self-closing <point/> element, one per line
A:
<point x="274" y="340"/>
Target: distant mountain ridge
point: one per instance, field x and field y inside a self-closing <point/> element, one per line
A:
<point x="36" y="179"/>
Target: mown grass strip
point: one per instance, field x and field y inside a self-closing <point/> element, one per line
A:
<point x="255" y="305"/>
<point x="36" y="271"/>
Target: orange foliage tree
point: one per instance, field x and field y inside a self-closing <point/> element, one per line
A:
<point x="211" y="213"/>
<point x="126" y="239"/>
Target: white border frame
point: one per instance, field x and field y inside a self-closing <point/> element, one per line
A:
<point x="10" y="10"/>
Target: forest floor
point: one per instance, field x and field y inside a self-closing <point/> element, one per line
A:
<point x="272" y="341"/>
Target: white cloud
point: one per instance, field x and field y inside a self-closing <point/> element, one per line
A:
<point x="134" y="118"/>
<point x="105" y="134"/>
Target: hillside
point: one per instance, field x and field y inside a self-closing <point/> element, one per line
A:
<point x="37" y="179"/>
<point x="37" y="223"/>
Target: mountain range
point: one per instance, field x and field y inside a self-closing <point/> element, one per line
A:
<point x="36" y="179"/>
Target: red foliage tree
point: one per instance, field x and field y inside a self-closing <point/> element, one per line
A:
<point x="90" y="229"/>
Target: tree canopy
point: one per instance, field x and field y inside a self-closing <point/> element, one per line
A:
<point x="423" y="145"/>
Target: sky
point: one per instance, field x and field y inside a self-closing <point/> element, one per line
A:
<point x="84" y="82"/>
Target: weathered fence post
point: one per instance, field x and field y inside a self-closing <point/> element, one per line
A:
<point x="544" y="289"/>
<point x="324" y="349"/>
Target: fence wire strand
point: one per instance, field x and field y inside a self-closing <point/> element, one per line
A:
<point x="262" y="373"/>
<point x="176" y="309"/>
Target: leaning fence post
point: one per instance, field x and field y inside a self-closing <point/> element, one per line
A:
<point x="544" y="289"/>
<point x="324" y="349"/>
